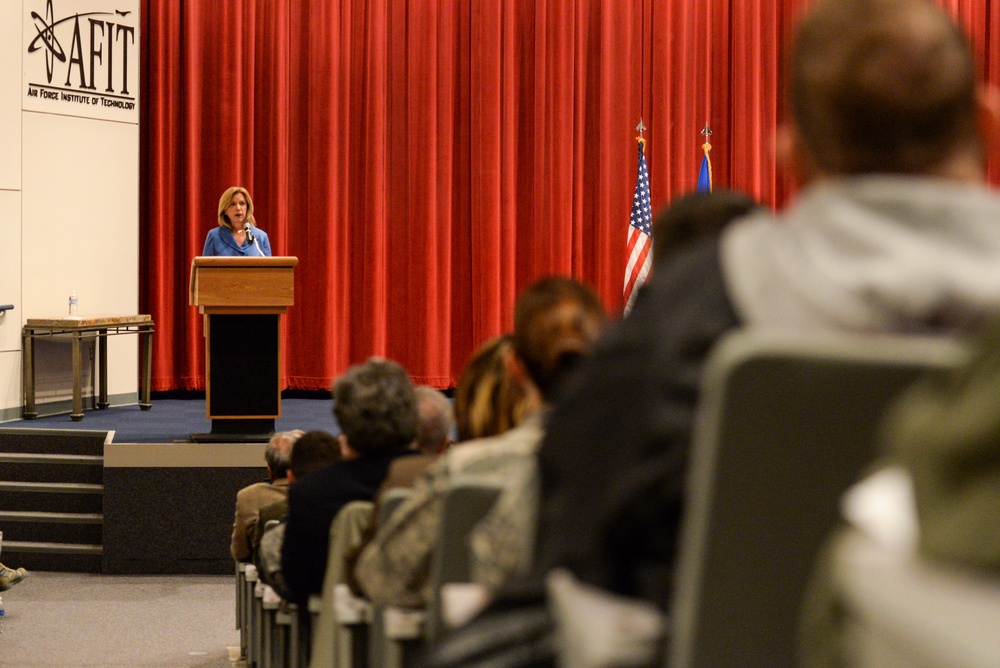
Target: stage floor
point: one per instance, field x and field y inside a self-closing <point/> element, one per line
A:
<point x="174" y="420"/>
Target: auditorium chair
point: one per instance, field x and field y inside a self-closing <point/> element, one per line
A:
<point x="297" y="650"/>
<point x="329" y="646"/>
<point x="384" y="649"/>
<point x="261" y="626"/>
<point x="354" y="614"/>
<point x="468" y="501"/>
<point x="241" y="582"/>
<point x="249" y="636"/>
<point x="271" y="636"/>
<point x="399" y="634"/>
<point x="280" y="624"/>
<point x="786" y="423"/>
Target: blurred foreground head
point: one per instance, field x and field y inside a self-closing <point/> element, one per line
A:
<point x="882" y="86"/>
<point x="556" y="322"/>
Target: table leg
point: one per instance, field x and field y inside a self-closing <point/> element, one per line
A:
<point x="77" y="413"/>
<point x="147" y="369"/>
<point x="28" y="371"/>
<point x="102" y="374"/>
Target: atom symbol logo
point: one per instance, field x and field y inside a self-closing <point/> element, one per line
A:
<point x="46" y="37"/>
<point x="47" y="34"/>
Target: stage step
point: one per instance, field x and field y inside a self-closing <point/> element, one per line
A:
<point x="34" y="526"/>
<point x="52" y="497"/>
<point x="51" y="487"/>
<point x="53" y="557"/>
<point x="51" y="441"/>
<point x="49" y="548"/>
<point x="61" y="518"/>
<point x="37" y="458"/>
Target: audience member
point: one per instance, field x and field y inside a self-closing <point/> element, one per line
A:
<point x="313" y="450"/>
<point x="556" y="322"/>
<point x="435" y="424"/>
<point x="252" y="498"/>
<point x="376" y="408"/>
<point x="436" y="420"/>
<point x="487" y="400"/>
<point x="11" y="576"/>
<point x="696" y="215"/>
<point x="894" y="230"/>
<point x="434" y="430"/>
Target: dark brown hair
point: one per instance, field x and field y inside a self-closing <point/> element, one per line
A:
<point x="882" y="86"/>
<point x="696" y="215"/>
<point x="313" y="450"/>
<point x="556" y="322"/>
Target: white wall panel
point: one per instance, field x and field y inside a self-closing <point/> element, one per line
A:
<point x="10" y="270"/>
<point x="10" y="293"/>
<point x="79" y="227"/>
<point x="10" y="385"/>
<point x="10" y="98"/>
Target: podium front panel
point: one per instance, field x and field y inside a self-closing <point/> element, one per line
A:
<point x="243" y="363"/>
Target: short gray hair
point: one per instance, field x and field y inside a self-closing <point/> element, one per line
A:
<point x="436" y="419"/>
<point x="278" y="453"/>
<point x="376" y="407"/>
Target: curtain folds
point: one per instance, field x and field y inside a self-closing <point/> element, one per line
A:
<point x="427" y="159"/>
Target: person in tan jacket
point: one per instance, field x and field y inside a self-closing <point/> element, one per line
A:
<point x="252" y="498"/>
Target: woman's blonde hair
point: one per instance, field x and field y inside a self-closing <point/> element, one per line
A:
<point x="487" y="400"/>
<point x="227" y="199"/>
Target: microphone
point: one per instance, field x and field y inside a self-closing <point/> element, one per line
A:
<point x="246" y="228"/>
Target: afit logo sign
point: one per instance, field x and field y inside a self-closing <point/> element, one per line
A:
<point x="81" y="58"/>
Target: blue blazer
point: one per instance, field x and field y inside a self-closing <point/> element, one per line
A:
<point x="220" y="241"/>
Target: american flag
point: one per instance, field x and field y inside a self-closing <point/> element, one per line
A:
<point x="640" y="234"/>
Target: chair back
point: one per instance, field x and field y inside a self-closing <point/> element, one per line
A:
<point x="467" y="501"/>
<point x="391" y="499"/>
<point x="345" y="532"/>
<point x="785" y="425"/>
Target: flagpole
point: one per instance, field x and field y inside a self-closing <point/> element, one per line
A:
<point x="705" y="176"/>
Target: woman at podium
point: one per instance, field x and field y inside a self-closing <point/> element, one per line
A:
<point x="237" y="233"/>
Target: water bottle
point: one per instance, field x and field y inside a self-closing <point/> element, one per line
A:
<point x="72" y="302"/>
<point x="1" y="614"/>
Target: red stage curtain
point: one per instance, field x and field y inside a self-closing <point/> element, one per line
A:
<point x="427" y="159"/>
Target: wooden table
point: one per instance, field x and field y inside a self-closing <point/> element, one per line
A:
<point x="79" y="329"/>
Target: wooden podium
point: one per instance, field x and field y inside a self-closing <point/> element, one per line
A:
<point x="242" y="299"/>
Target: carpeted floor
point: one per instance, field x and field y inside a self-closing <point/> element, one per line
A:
<point x="56" y="620"/>
<point x="174" y="420"/>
